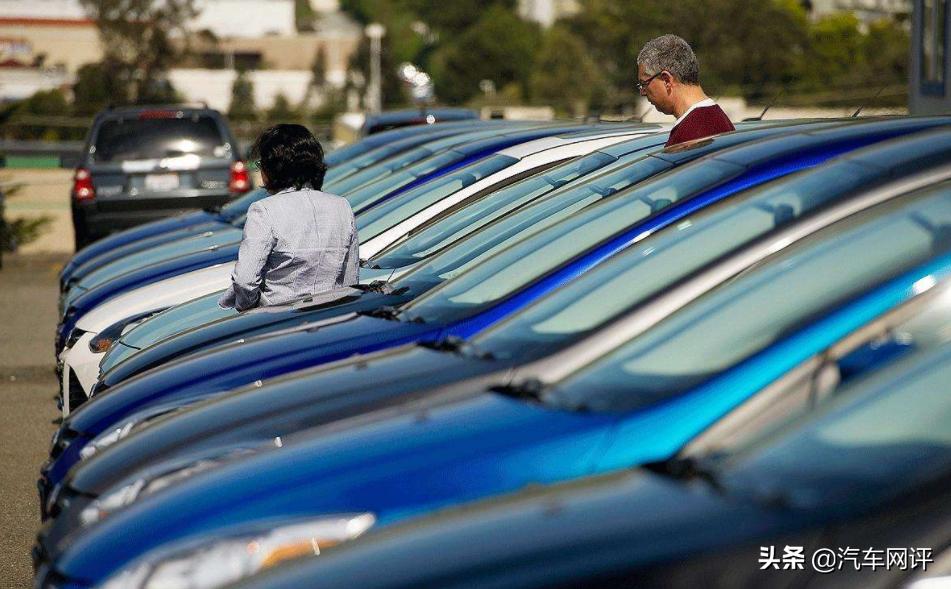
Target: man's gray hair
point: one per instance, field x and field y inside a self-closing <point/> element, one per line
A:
<point x="673" y="54"/>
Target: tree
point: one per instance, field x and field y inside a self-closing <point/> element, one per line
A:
<point x="499" y="47"/>
<point x="137" y="39"/>
<point x="95" y="89"/>
<point x="242" y="99"/>
<point x="564" y="75"/>
<point x="37" y="113"/>
<point x="304" y="15"/>
<point x="281" y="111"/>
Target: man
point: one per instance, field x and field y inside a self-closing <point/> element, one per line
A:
<point x="669" y="77"/>
<point x="299" y="240"/>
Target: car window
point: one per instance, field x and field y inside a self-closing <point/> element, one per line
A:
<point x="751" y="312"/>
<point x="382" y="217"/>
<point x="435" y="236"/>
<point x="367" y="195"/>
<point x="156" y="138"/>
<point x="874" y="439"/>
<point x="661" y="260"/>
<point x="504" y="271"/>
<point x="556" y="206"/>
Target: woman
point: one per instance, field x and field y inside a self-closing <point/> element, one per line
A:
<point x="299" y="240"/>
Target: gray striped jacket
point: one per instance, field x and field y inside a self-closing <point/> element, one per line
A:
<point x="296" y="243"/>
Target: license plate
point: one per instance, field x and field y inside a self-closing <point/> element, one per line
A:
<point x="161" y="182"/>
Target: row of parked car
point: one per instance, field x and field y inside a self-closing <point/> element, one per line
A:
<point x="574" y="358"/>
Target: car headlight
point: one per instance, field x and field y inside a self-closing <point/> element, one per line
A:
<point x="126" y="494"/>
<point x="122" y="431"/>
<point x="108" y="336"/>
<point x="208" y="564"/>
<point x="106" y="439"/>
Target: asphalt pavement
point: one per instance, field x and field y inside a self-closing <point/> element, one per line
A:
<point x="28" y="414"/>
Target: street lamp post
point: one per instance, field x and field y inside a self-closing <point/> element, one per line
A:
<point x="374" y="100"/>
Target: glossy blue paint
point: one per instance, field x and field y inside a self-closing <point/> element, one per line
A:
<point x="181" y="246"/>
<point x="339" y="341"/>
<point x="239" y="206"/>
<point x="478" y="446"/>
<point x="128" y="236"/>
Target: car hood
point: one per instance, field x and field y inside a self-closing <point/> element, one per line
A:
<point x="558" y="535"/>
<point x="154" y="255"/>
<point x="245" y="325"/>
<point x="117" y="240"/>
<point x="395" y="465"/>
<point x="242" y="363"/>
<point x="293" y="403"/>
<point x="146" y="243"/>
<point x="86" y="301"/>
<point x="155" y="296"/>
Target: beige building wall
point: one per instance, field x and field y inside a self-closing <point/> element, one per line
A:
<point x="67" y="43"/>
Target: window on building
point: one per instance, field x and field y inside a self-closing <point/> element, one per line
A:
<point x="933" y="45"/>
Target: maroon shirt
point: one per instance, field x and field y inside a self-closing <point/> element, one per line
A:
<point x="701" y="122"/>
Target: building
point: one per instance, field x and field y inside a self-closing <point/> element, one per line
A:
<point x="866" y="10"/>
<point x="928" y="91"/>
<point x="47" y="34"/>
<point x="546" y="12"/>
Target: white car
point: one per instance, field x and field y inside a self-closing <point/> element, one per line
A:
<point x="96" y="330"/>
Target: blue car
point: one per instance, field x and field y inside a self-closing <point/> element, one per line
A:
<point x="432" y="238"/>
<point x="83" y="297"/>
<point x="705" y="181"/>
<point x="425" y="242"/>
<point x="749" y="230"/>
<point x="797" y="466"/>
<point x="520" y="275"/>
<point x="99" y="270"/>
<point x="231" y="211"/>
<point x="628" y="401"/>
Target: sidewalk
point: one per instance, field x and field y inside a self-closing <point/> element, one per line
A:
<point x="28" y="294"/>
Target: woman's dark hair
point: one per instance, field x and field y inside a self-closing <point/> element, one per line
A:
<point x="290" y="157"/>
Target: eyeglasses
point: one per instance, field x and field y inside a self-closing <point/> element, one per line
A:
<point x="641" y="84"/>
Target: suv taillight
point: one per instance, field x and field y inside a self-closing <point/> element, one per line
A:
<point x="83" y="190"/>
<point x="240" y="180"/>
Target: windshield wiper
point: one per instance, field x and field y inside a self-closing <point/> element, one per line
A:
<point x="457" y="345"/>
<point x="531" y="389"/>
<point x="385" y="312"/>
<point x="686" y="468"/>
<point x="382" y="287"/>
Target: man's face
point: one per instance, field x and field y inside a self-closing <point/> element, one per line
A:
<point x="655" y="90"/>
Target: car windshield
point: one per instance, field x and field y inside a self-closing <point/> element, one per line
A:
<point x="145" y="137"/>
<point x="662" y="259"/>
<point x="367" y="195"/>
<point x="377" y="175"/>
<point x="504" y="270"/>
<point x="751" y="312"/>
<point x="556" y="206"/>
<point x="175" y="320"/>
<point x="874" y="439"/>
<point x="159" y="253"/>
<point x="388" y="214"/>
<point x="436" y="235"/>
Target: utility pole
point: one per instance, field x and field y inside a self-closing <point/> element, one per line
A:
<point x="374" y="100"/>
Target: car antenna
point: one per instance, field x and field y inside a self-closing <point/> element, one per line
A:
<point x="769" y="105"/>
<point x="861" y="106"/>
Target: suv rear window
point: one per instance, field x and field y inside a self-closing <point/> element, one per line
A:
<point x="154" y="137"/>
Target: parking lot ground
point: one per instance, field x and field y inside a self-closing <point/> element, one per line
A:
<point x="28" y="294"/>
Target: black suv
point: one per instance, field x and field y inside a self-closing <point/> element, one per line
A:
<point x="147" y="162"/>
